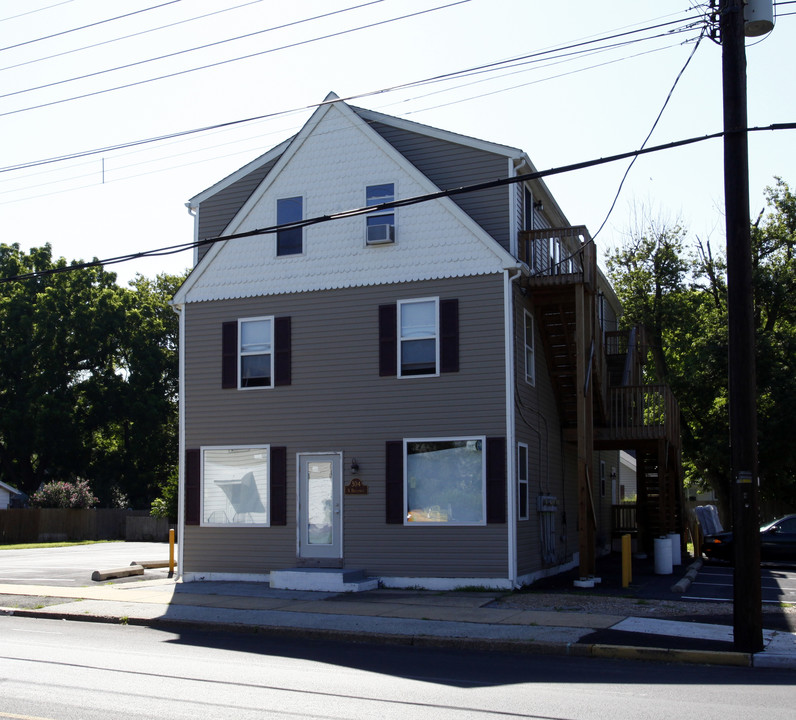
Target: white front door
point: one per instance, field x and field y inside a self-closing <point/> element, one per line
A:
<point x="320" y="516"/>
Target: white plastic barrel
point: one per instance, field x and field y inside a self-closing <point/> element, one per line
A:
<point x="663" y="556"/>
<point x="677" y="558"/>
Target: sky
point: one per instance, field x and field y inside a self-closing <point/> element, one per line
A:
<point x="75" y="77"/>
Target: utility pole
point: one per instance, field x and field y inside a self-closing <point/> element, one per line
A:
<point x="747" y="607"/>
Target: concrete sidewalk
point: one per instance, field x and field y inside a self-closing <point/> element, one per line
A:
<point x="452" y="619"/>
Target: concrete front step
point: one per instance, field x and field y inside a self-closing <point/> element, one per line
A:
<point x="322" y="579"/>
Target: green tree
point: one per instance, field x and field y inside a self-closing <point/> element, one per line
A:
<point x="134" y="423"/>
<point x="680" y="295"/>
<point x="88" y="377"/>
<point x="774" y="277"/>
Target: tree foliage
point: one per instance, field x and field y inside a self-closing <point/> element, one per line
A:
<point x="88" y="377"/>
<point x="678" y="290"/>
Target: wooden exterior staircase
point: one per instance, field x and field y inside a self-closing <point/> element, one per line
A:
<point x="597" y="376"/>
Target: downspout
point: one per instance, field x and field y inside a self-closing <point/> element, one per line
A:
<point x="180" y="310"/>
<point x="511" y="433"/>
<point x="193" y="211"/>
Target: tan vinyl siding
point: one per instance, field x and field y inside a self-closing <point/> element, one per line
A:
<point x="551" y="462"/>
<point x="337" y="402"/>
<point x="450" y="165"/>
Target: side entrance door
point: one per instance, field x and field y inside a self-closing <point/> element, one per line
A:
<point x="320" y="513"/>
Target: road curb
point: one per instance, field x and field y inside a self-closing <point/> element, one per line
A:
<point x="616" y="652"/>
<point x="130" y="570"/>
<point x="685" y="582"/>
<point x="697" y="657"/>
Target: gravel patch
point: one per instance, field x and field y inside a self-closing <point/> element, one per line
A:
<point x="31" y="602"/>
<point x="636" y="607"/>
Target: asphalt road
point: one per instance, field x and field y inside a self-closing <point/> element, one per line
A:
<point x="72" y="566"/>
<point x="59" y="670"/>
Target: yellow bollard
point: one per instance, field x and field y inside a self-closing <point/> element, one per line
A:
<point x="627" y="570"/>
<point x="171" y="552"/>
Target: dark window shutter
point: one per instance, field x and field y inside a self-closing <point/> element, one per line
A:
<point x="449" y="335"/>
<point x="278" y="486"/>
<point x="229" y="354"/>
<point x="394" y="482"/>
<point x="388" y="340"/>
<point x="193" y="489"/>
<point x="282" y="356"/>
<point x="496" y="480"/>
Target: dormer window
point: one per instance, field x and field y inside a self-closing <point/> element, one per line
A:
<point x="380" y="226"/>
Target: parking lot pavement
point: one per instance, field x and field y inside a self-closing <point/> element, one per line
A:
<point x="715" y="582"/>
<point x="72" y="566"/>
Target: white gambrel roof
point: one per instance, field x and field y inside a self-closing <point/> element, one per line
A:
<point x="329" y="163"/>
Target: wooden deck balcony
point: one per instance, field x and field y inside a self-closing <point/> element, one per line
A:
<point x="559" y="257"/>
<point x="639" y="413"/>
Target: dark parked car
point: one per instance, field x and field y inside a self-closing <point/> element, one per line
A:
<point x="777" y="542"/>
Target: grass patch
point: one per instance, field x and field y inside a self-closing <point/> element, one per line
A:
<point x="35" y="546"/>
<point x="475" y="589"/>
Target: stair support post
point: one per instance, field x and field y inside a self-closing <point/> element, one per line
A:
<point x="585" y="429"/>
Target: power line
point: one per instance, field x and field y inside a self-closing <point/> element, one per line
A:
<point x="231" y="60"/>
<point x="31" y="12"/>
<point x="525" y="84"/>
<point x="189" y="50"/>
<point x="415" y="83"/>
<point x="445" y="90"/>
<point x="90" y="25"/>
<point x="182" y="247"/>
<point x="131" y="35"/>
<point x="649" y="135"/>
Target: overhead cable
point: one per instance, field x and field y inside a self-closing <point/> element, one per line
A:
<point x="174" y="249"/>
<point x="649" y="134"/>
<point x="90" y="25"/>
<point x="31" y="12"/>
<point x="131" y="35"/>
<point x="190" y="50"/>
<point x="356" y="96"/>
<point x="235" y="59"/>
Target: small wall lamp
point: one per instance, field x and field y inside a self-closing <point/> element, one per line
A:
<point x="354" y="465"/>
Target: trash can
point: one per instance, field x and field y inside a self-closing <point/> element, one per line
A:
<point x="663" y="556"/>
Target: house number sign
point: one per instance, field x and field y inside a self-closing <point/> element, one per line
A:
<point x="356" y="487"/>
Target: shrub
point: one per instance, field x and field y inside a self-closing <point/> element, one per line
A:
<point x="165" y="506"/>
<point x="61" y="494"/>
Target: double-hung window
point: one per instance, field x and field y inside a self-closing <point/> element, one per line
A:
<point x="522" y="481"/>
<point x="256" y="352"/>
<point x="290" y="240"/>
<point x="530" y="349"/>
<point x="418" y="337"/>
<point x="445" y="481"/>
<point x="380" y="226"/>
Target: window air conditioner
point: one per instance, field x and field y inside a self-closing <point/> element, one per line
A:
<point x="380" y="234"/>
